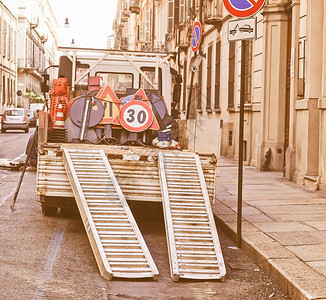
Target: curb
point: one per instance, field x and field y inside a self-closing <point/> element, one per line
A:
<point x="294" y="277"/>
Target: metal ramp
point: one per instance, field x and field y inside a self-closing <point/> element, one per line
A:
<point x="117" y="243"/>
<point x="194" y="248"/>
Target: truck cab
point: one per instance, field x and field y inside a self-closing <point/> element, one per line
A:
<point x="122" y="70"/>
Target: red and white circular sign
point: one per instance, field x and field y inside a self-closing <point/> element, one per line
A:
<point x="196" y="36"/>
<point x="136" y="116"/>
<point x="243" y="8"/>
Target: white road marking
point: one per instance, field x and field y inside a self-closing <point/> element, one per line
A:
<point x="49" y="259"/>
<point x="19" y="157"/>
<point x="9" y="196"/>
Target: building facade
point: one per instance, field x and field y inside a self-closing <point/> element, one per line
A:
<point x="284" y="73"/>
<point x="37" y="46"/>
<point x="8" y="55"/>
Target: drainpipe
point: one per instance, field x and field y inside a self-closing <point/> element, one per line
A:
<point x="200" y="53"/>
<point x="153" y="25"/>
<point x="290" y="152"/>
<point x="201" y="3"/>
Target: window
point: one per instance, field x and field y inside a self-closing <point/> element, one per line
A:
<point x="217" y="75"/>
<point x="209" y="78"/>
<point x="199" y="88"/>
<point x="148" y="25"/>
<point x="142" y="30"/>
<point x="8" y="91"/>
<point x="4" y="38"/>
<point x="150" y="73"/>
<point x="3" y="90"/>
<point x="230" y="138"/>
<point x="176" y="13"/>
<point x="14" y="112"/>
<point x="231" y="74"/>
<point x="119" y="82"/>
<point x="247" y="74"/>
<point x="170" y="16"/>
<point x="10" y="43"/>
<point x="35" y="56"/>
<point x="301" y="70"/>
<point x="40" y="60"/>
<point x="15" y="46"/>
<point x="11" y="91"/>
<point x="139" y="33"/>
<point x="182" y="12"/>
<point x="0" y="35"/>
<point x="189" y="10"/>
<point x="212" y="9"/>
<point x="184" y="86"/>
<point x="29" y="52"/>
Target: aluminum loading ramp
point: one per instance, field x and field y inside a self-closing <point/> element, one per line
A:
<point x="117" y="243"/>
<point x="193" y="244"/>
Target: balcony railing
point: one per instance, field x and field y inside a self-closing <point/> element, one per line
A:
<point x="213" y="13"/>
<point x="124" y="43"/>
<point x="29" y="64"/>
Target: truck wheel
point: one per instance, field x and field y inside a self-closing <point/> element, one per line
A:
<point x="49" y="211"/>
<point x="3" y="130"/>
<point x="27" y="130"/>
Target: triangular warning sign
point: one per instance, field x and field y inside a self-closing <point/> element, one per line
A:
<point x="107" y="95"/>
<point x="141" y="95"/>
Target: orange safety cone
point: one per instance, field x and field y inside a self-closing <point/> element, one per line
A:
<point x="59" y="119"/>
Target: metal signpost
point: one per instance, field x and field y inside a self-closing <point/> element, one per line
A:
<point x="240" y="30"/>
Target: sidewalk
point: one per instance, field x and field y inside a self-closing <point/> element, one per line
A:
<point x="283" y="228"/>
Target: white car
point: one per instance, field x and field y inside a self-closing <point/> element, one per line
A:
<point x="14" y="118"/>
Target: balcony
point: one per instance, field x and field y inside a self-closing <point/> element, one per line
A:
<point x="126" y="12"/>
<point x="124" y="19"/>
<point x="134" y="7"/>
<point x="168" y="37"/>
<point x="213" y="13"/>
<point x="211" y="19"/>
<point x="44" y="38"/>
<point x="29" y="66"/>
<point x="184" y="46"/>
<point x="124" y="43"/>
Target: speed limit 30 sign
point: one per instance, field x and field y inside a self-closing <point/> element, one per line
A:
<point x="136" y="116"/>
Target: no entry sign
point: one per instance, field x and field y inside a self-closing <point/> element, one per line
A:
<point x="243" y="8"/>
<point x="136" y="116"/>
<point x="196" y="36"/>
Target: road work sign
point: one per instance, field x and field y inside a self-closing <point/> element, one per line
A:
<point x="243" y="8"/>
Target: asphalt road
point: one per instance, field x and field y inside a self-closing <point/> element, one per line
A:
<point x="13" y="143"/>
<point x="51" y="258"/>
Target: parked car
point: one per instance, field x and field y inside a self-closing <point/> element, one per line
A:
<point x="14" y="118"/>
<point x="31" y="114"/>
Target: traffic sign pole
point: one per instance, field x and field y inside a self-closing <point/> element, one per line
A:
<point x="241" y="9"/>
<point x="240" y="159"/>
<point x="190" y="93"/>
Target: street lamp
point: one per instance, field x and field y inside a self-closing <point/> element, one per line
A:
<point x="66" y="25"/>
